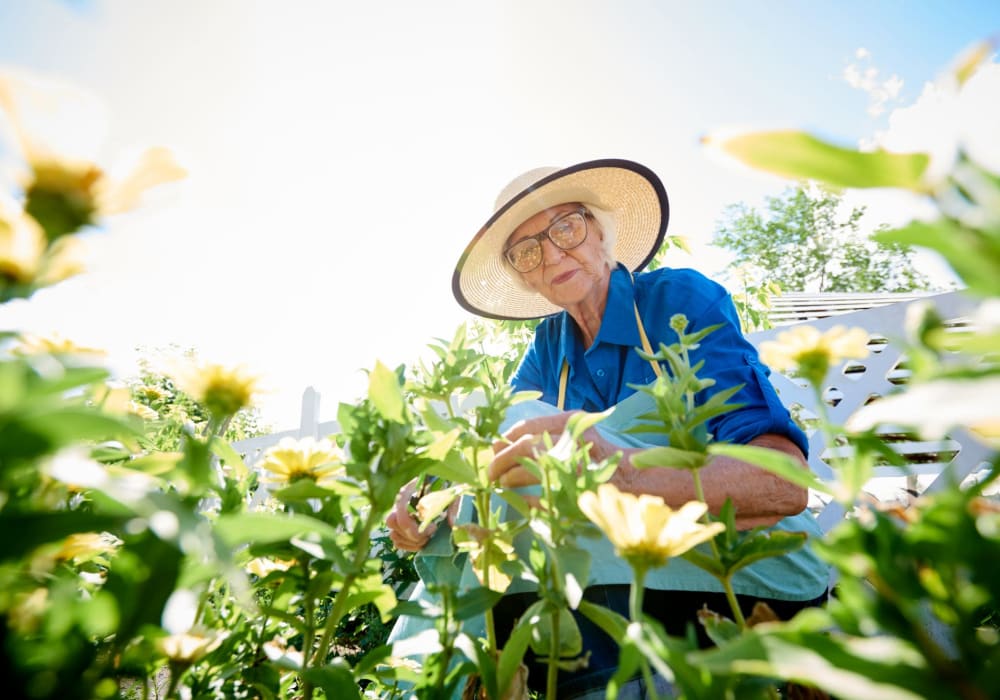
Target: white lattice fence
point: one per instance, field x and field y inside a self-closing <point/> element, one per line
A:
<point x="852" y="384"/>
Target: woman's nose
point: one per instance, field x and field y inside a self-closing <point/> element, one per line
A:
<point x="551" y="253"/>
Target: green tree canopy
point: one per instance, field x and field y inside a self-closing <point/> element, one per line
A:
<point x="807" y="240"/>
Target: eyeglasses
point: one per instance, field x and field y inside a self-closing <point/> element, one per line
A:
<point x="566" y="233"/>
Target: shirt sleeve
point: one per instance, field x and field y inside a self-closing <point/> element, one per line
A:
<point x="731" y="360"/>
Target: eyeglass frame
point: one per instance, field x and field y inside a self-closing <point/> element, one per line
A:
<point x="540" y="236"/>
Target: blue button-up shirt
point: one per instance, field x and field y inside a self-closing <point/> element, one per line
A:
<point x="599" y="376"/>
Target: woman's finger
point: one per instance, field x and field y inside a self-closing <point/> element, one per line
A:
<point x="517" y="477"/>
<point x="510" y="456"/>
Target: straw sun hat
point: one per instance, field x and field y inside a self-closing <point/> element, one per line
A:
<point x="484" y="283"/>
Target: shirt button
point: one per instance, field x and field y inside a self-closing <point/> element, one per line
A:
<point x="600" y="373"/>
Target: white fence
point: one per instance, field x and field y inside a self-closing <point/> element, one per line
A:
<point x="847" y="387"/>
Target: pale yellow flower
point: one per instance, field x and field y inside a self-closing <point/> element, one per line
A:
<point x="151" y="392"/>
<point x="67" y="190"/>
<point x="188" y="648"/>
<point x="306" y="458"/>
<point x="278" y="650"/>
<point x="644" y="530"/>
<point x="222" y="390"/>
<point x="62" y="260"/>
<point x="54" y="344"/>
<point x="82" y="546"/>
<point x="811" y="353"/>
<point x="262" y="566"/>
<point x="116" y="397"/>
<point x="27" y="611"/>
<point x="22" y="247"/>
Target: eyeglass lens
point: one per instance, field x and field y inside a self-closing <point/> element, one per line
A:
<point x="566" y="233"/>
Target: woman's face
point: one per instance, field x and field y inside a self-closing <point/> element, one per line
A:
<point x="565" y="277"/>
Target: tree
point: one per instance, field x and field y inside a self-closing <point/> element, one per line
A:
<point x="805" y="240"/>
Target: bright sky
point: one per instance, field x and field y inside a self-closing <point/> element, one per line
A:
<point x="343" y="153"/>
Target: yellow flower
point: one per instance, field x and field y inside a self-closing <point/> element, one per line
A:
<point x="22" y="247"/>
<point x="307" y="458"/>
<point x="222" y="390"/>
<point x="644" y="530"/>
<point x="116" y="397"/>
<point x="262" y="566"/>
<point x="188" y="648"/>
<point x="54" y="344"/>
<point x="28" y="610"/>
<point x="805" y="349"/>
<point x="87" y="545"/>
<point x="67" y="192"/>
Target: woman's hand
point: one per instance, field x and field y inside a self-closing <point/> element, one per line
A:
<point x="404" y="530"/>
<point x="523" y="440"/>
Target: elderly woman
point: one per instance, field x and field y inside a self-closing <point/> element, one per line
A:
<point x="568" y="244"/>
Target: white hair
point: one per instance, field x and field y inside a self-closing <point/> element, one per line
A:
<point x="608" y="224"/>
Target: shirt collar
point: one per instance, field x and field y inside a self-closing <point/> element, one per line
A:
<point x="618" y="324"/>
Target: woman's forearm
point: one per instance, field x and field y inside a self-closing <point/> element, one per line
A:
<point x="760" y="498"/>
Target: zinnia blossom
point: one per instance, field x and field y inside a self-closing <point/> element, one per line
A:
<point x="67" y="192"/>
<point x="222" y="390"/>
<point x="811" y="353"/>
<point x="188" y="648"/>
<point x="306" y="458"/>
<point x="87" y="545"/>
<point x="644" y="529"/>
<point x="54" y="344"/>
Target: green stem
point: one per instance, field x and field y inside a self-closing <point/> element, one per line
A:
<point x="552" y="679"/>
<point x="727" y="585"/>
<point x="175" y="677"/>
<point x="733" y="603"/>
<point x="486" y="516"/>
<point x="635" y="596"/>
<point x="339" y="608"/>
<point x="636" y="593"/>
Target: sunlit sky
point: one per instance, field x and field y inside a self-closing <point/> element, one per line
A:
<point x="341" y="154"/>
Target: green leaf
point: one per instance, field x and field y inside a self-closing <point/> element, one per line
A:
<point x="513" y="653"/>
<point x="385" y="393"/>
<point x="669" y="457"/>
<point x="613" y="624"/>
<point x="335" y="679"/>
<point x="763" y="545"/>
<point x="778" y="463"/>
<point x="224" y="451"/>
<point x="580" y="422"/>
<point x="260" y="528"/>
<point x="849" y="667"/>
<point x="74" y="423"/>
<point x="475" y="602"/>
<point x="798" y="155"/>
<point x="440" y="448"/>
<point x="705" y="563"/>
<point x="574" y="565"/>
<point x="455" y="468"/>
<point x="304" y="489"/>
<point x="570" y="639"/>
